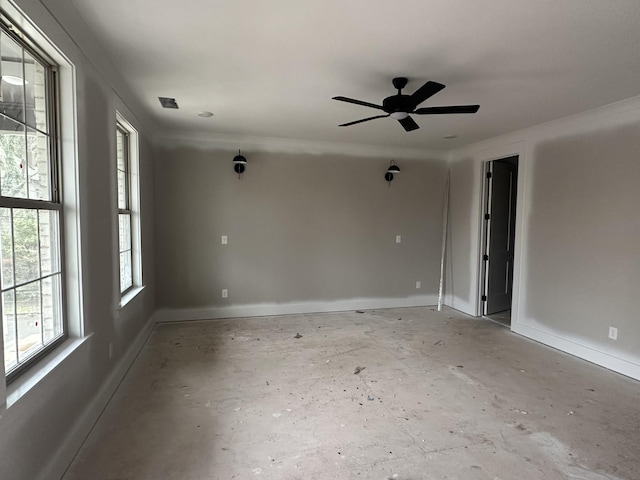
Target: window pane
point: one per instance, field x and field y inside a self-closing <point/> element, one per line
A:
<point x="49" y="241"/>
<point x="28" y="313"/>
<point x="51" y="313"/>
<point x="9" y="329"/>
<point x="122" y="190"/>
<point x="125" y="271"/>
<point x="38" y="173"/>
<point x="120" y="154"/>
<point x="12" y="87"/>
<point x="6" y="247"/>
<point x="35" y="92"/>
<point x="13" y="168"/>
<point x="124" y="221"/>
<point x="122" y="169"/>
<point x="124" y="229"/>
<point x="25" y="241"/>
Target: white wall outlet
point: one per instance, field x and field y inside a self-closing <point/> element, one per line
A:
<point x="110" y="350"/>
<point x="418" y="284"/>
<point x="613" y="333"/>
<point x="225" y="240"/>
<point x="398" y="238"/>
<point x="225" y="293"/>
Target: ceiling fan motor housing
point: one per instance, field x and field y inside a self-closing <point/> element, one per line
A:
<point x="398" y="103"/>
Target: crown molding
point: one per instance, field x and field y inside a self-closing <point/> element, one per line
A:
<point x="231" y="143"/>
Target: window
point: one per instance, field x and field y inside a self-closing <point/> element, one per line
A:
<point x="128" y="228"/>
<point x="124" y="209"/>
<point x="30" y="207"/>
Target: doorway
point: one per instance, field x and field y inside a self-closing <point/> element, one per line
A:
<point x="499" y="226"/>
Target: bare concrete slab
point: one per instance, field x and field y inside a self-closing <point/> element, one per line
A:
<point x="438" y="395"/>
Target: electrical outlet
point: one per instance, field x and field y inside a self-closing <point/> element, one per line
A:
<point x="398" y="238"/>
<point x="225" y="293"/>
<point x="613" y="333"/>
<point x="225" y="240"/>
<point x="418" y="284"/>
<point x="110" y="350"/>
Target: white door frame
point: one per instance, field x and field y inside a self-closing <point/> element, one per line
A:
<point x="517" y="149"/>
<point x="484" y="237"/>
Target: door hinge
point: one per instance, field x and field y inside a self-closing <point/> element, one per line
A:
<point x="484" y="298"/>
<point x="488" y="174"/>
<point x="487" y="216"/>
<point x="485" y="257"/>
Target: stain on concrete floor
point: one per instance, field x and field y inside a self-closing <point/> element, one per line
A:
<point x="443" y="395"/>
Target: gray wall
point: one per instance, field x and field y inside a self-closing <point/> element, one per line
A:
<point x="40" y="432"/>
<point x="462" y="234"/>
<point x="583" y="248"/>
<point x="301" y="228"/>
<point x="577" y="249"/>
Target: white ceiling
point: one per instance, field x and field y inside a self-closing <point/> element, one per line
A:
<point x="270" y="67"/>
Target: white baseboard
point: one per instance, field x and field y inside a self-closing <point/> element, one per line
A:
<point x="266" y="309"/>
<point x="591" y="353"/>
<point x="461" y="305"/>
<point x="67" y="450"/>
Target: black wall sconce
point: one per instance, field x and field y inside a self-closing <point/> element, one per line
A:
<point x="393" y="169"/>
<point x="239" y="161"/>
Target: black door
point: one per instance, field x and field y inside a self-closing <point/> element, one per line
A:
<point x="502" y="178"/>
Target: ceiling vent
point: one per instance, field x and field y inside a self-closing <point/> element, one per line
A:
<point x="167" y="102"/>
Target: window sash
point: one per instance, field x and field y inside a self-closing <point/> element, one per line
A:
<point x="125" y="250"/>
<point x="48" y="284"/>
<point x="51" y="99"/>
<point x="125" y="230"/>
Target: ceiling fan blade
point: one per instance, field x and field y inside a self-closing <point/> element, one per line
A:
<point x="450" y="109"/>
<point x="409" y="124"/>
<point x="363" y="120"/>
<point x="358" y="102"/>
<point x="425" y="91"/>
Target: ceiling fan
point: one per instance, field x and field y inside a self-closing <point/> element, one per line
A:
<point x="400" y="106"/>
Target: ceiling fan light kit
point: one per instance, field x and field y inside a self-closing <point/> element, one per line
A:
<point x="399" y="115"/>
<point x="400" y="106"/>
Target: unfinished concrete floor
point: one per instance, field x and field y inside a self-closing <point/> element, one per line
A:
<point x="439" y="396"/>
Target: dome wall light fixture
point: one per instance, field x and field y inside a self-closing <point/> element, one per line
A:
<point x="239" y="162"/>
<point x="391" y="171"/>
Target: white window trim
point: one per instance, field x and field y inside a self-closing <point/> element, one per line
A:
<point x="70" y="199"/>
<point x="136" y="235"/>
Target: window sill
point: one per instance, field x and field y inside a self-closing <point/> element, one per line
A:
<point x="129" y="296"/>
<point x="32" y="377"/>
